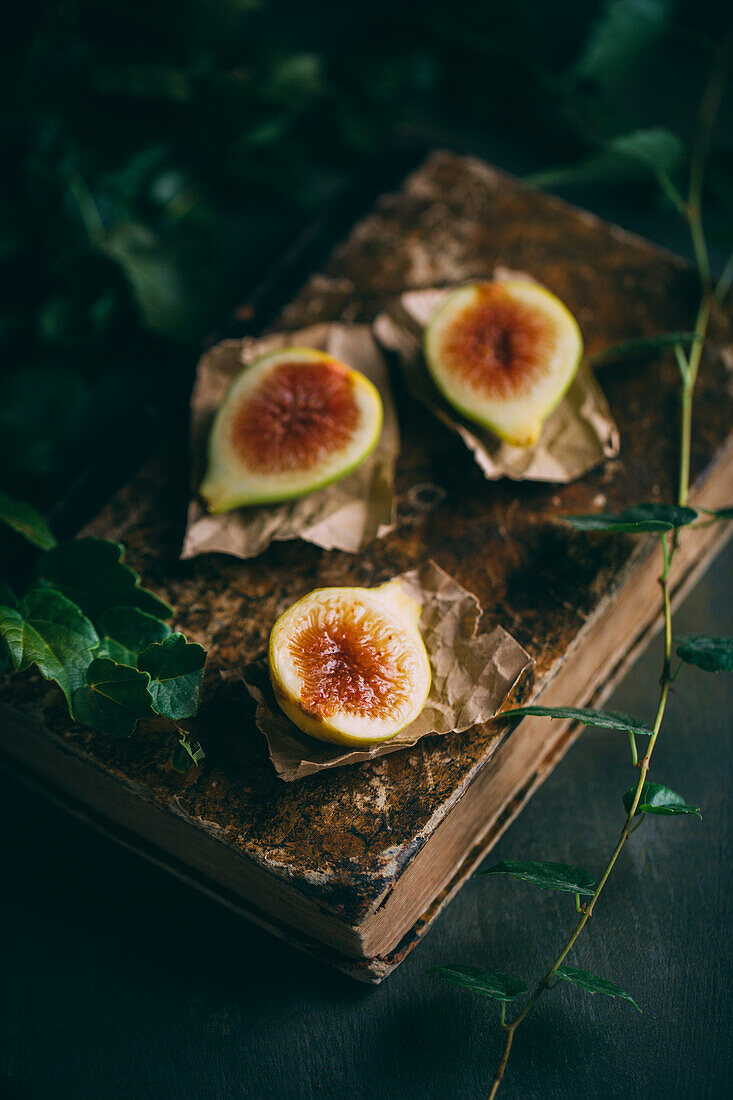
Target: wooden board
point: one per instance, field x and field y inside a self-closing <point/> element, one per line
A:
<point x="345" y="838"/>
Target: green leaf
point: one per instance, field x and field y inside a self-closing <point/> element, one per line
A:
<point x="126" y="632"/>
<point x="113" y="698"/>
<point x="26" y="521"/>
<point x="656" y="799"/>
<point x="710" y="652"/>
<point x="621" y="35"/>
<point x="548" y="876"/>
<point x="591" y="984"/>
<point x="176" y="670"/>
<point x="7" y="596"/>
<point x="7" y="599"/>
<point x="637" y="349"/>
<point x="719" y="513"/>
<point x="186" y="753"/>
<point x="501" y="987"/>
<point x="625" y="158"/>
<point x="606" y="719"/>
<point x="171" y="292"/>
<point x="43" y="415"/>
<point x="90" y="571"/>
<point x="49" y="631"/>
<point x="642" y="517"/>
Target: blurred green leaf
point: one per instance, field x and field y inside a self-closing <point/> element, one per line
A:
<point x="626" y="158"/>
<point x="142" y="81"/>
<point x="65" y="321"/>
<point x="712" y="653"/>
<point x="718" y="513"/>
<point x="113" y="698"/>
<point x="296" y="76"/>
<point x="42" y="411"/>
<point x="7" y="596"/>
<point x="155" y="277"/>
<point x="26" y="521"/>
<point x="620" y="37"/>
<point x="642" y="348"/>
<point x="592" y="984"/>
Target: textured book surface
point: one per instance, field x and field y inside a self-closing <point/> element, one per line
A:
<point x="343" y="838"/>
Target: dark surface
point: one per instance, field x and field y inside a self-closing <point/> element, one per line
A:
<point x="119" y="981"/>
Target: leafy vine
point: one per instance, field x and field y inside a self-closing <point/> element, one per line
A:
<point x="86" y="623"/>
<point x="712" y="654"/>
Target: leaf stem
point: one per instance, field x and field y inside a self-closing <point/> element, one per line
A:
<point x="634" y="750"/>
<point x="688" y="388"/>
<point x="86" y="205"/>
<point x="724" y="282"/>
<point x="708" y="114"/>
<point x="628" y="826"/>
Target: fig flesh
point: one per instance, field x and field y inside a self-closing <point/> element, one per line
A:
<point x="504" y="353"/>
<point x="292" y="421"/>
<point x="348" y="665"/>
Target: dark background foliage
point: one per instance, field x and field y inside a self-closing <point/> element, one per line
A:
<point x="160" y="155"/>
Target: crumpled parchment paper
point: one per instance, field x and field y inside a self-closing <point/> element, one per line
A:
<point x="344" y="516"/>
<point x="472" y="675"/>
<point x="578" y="435"/>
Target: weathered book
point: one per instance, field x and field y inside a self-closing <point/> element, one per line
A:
<point x="354" y="864"/>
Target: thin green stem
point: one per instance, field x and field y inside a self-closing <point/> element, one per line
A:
<point x="688" y="390"/>
<point x="682" y="361"/>
<point x="689" y="367"/>
<point x="665" y="182"/>
<point x="724" y="282"/>
<point x="628" y="826"/>
<point x="708" y="114"/>
<point x="86" y="205"/>
<point x="634" y="750"/>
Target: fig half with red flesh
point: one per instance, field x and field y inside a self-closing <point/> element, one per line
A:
<point x="503" y="354"/>
<point x="348" y="665"/>
<point x="293" y="421"/>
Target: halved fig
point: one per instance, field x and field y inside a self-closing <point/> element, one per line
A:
<point x="293" y="421"/>
<point x="503" y="354"/>
<point x="348" y="665"/>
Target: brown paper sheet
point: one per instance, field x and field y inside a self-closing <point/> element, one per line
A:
<point x="578" y="435"/>
<point x="472" y="677"/>
<point x="343" y="516"/>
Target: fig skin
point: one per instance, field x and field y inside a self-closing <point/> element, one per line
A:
<point x="399" y="614"/>
<point x="229" y="484"/>
<point x="516" y="418"/>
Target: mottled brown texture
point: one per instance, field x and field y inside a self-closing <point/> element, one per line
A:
<point x="343" y="836"/>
